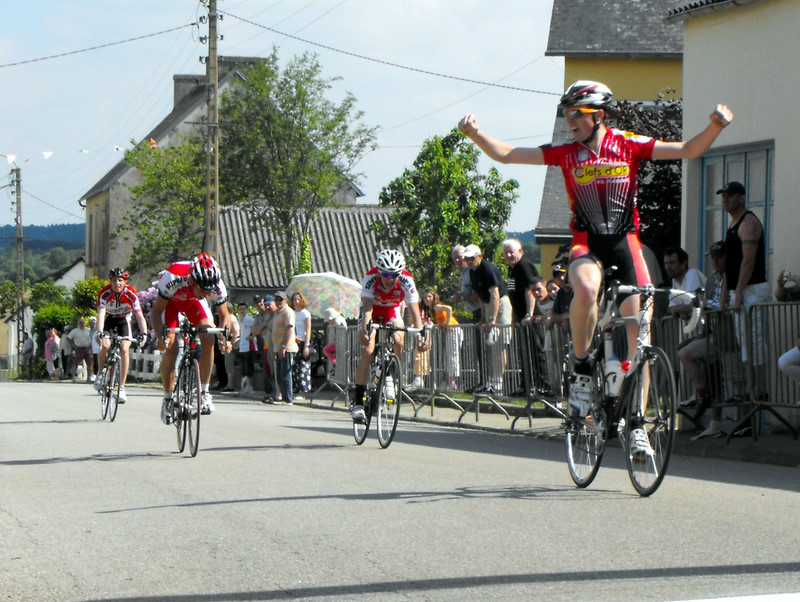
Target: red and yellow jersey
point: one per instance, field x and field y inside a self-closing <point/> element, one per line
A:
<point x="118" y="305"/>
<point x="602" y="189"/>
<point x="174" y="285"/>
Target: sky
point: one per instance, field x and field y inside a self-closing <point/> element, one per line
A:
<point x="82" y="79"/>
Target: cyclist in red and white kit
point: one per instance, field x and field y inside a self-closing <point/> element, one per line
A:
<point x="117" y="301"/>
<point x="185" y="288"/>
<point x="385" y="290"/>
<point x="600" y="168"/>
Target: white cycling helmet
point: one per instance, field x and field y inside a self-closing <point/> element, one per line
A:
<point x="205" y="272"/>
<point x="585" y="93"/>
<point x="391" y="261"/>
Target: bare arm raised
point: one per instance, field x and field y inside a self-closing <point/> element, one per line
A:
<point x="498" y="150"/>
<point x="691" y="149"/>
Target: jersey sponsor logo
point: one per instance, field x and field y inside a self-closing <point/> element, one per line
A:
<point x="586" y="174"/>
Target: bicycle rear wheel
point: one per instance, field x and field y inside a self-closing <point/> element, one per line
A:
<point x="360" y="429"/>
<point x="654" y="389"/>
<point x="193" y="408"/>
<point x="113" y="389"/>
<point x="104" y="396"/>
<point x="586" y="437"/>
<point x="389" y="401"/>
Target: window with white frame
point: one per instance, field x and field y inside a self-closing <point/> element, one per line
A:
<point x="753" y="166"/>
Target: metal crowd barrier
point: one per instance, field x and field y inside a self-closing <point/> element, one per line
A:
<point x="530" y="364"/>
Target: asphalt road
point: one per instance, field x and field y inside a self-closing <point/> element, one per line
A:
<point x="281" y="504"/>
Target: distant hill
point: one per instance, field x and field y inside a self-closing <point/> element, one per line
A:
<point x="67" y="236"/>
<point x="528" y="236"/>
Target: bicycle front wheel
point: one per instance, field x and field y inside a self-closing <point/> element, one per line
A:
<point x="651" y="406"/>
<point x="193" y="408"/>
<point x="360" y="429"/>
<point x="113" y="389"/>
<point x="104" y="396"/>
<point x="179" y="400"/>
<point x="586" y="437"/>
<point x="389" y="399"/>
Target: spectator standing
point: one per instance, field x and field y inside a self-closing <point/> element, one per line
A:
<point x="496" y="314"/>
<point x="521" y="276"/>
<point x="422" y="356"/>
<point x="787" y="289"/>
<point x="453" y="336"/>
<point x="745" y="275"/>
<point x="225" y="358"/>
<point x="467" y="296"/>
<point x="26" y="356"/>
<point x="284" y="344"/>
<point x="248" y="348"/>
<point x="301" y="368"/>
<point x="81" y="338"/>
<point x="263" y="328"/>
<point x="96" y="346"/>
<point x="52" y="354"/>
<point x="66" y="354"/>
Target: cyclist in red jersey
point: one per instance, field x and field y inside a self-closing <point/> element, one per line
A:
<point x="600" y="167"/>
<point x="384" y="291"/>
<point x="117" y="301"/>
<point x="185" y="288"/>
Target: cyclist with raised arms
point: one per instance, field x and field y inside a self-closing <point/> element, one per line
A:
<point x="384" y="291"/>
<point x="117" y="301"/>
<point x="185" y="288"/>
<point x="600" y="168"/>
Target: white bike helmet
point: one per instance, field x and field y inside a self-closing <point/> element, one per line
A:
<point x="205" y="272"/>
<point x="391" y="261"/>
<point x="585" y="93"/>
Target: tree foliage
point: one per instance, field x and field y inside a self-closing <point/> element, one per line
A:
<point x="659" y="181"/>
<point x="48" y="293"/>
<point x="84" y="295"/>
<point x="444" y="201"/>
<point x="284" y="142"/>
<point x="165" y="223"/>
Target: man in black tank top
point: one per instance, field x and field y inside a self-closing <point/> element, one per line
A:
<point x="745" y="269"/>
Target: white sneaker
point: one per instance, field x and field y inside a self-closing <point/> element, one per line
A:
<point x="123" y="397"/>
<point x="390" y="390"/>
<point x="166" y="416"/>
<point x="640" y="444"/>
<point x="206" y="404"/>
<point x="246" y="390"/>
<point x="357" y="413"/>
<point x="98" y="385"/>
<point x="415" y="384"/>
<point x="580" y="393"/>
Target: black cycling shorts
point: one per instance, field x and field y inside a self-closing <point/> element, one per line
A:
<point x="621" y="250"/>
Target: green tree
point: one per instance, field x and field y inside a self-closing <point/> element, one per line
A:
<point x="8" y="298"/>
<point x="165" y="224"/>
<point x="659" y="181"/>
<point x="48" y="293"/>
<point x="285" y="143"/>
<point x="444" y="201"/>
<point x="84" y="295"/>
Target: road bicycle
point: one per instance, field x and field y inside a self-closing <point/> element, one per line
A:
<point x="186" y="396"/>
<point x="384" y="392"/>
<point x="626" y="396"/>
<point x="111" y="377"/>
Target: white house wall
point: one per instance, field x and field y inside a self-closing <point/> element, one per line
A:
<point x="746" y="57"/>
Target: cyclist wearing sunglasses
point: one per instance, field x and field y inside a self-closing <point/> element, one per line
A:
<point x="386" y="289"/>
<point x="600" y="168"/>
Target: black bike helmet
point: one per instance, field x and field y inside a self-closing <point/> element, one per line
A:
<point x="118" y="273"/>
<point x="585" y="93"/>
<point x="205" y="272"/>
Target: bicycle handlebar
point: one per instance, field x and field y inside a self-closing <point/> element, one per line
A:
<point x="688" y="297"/>
<point x="392" y="328"/>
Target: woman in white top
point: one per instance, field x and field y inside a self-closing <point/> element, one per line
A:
<point x="301" y="369"/>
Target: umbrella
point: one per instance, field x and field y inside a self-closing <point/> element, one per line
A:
<point x="327" y="289"/>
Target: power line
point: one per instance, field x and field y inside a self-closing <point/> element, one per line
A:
<point x="388" y="63"/>
<point x="71" y="52"/>
<point x="33" y="196"/>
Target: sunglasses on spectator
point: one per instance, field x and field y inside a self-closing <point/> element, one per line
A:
<point x="389" y="276"/>
<point x="572" y="114"/>
<point x="470" y="259"/>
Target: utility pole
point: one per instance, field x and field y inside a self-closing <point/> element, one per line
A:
<point x="20" y="257"/>
<point x="211" y="242"/>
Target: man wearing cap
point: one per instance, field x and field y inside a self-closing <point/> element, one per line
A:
<point x="262" y="327"/>
<point x="284" y="344"/>
<point x="704" y="348"/>
<point x="745" y="271"/>
<point x="489" y="285"/>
